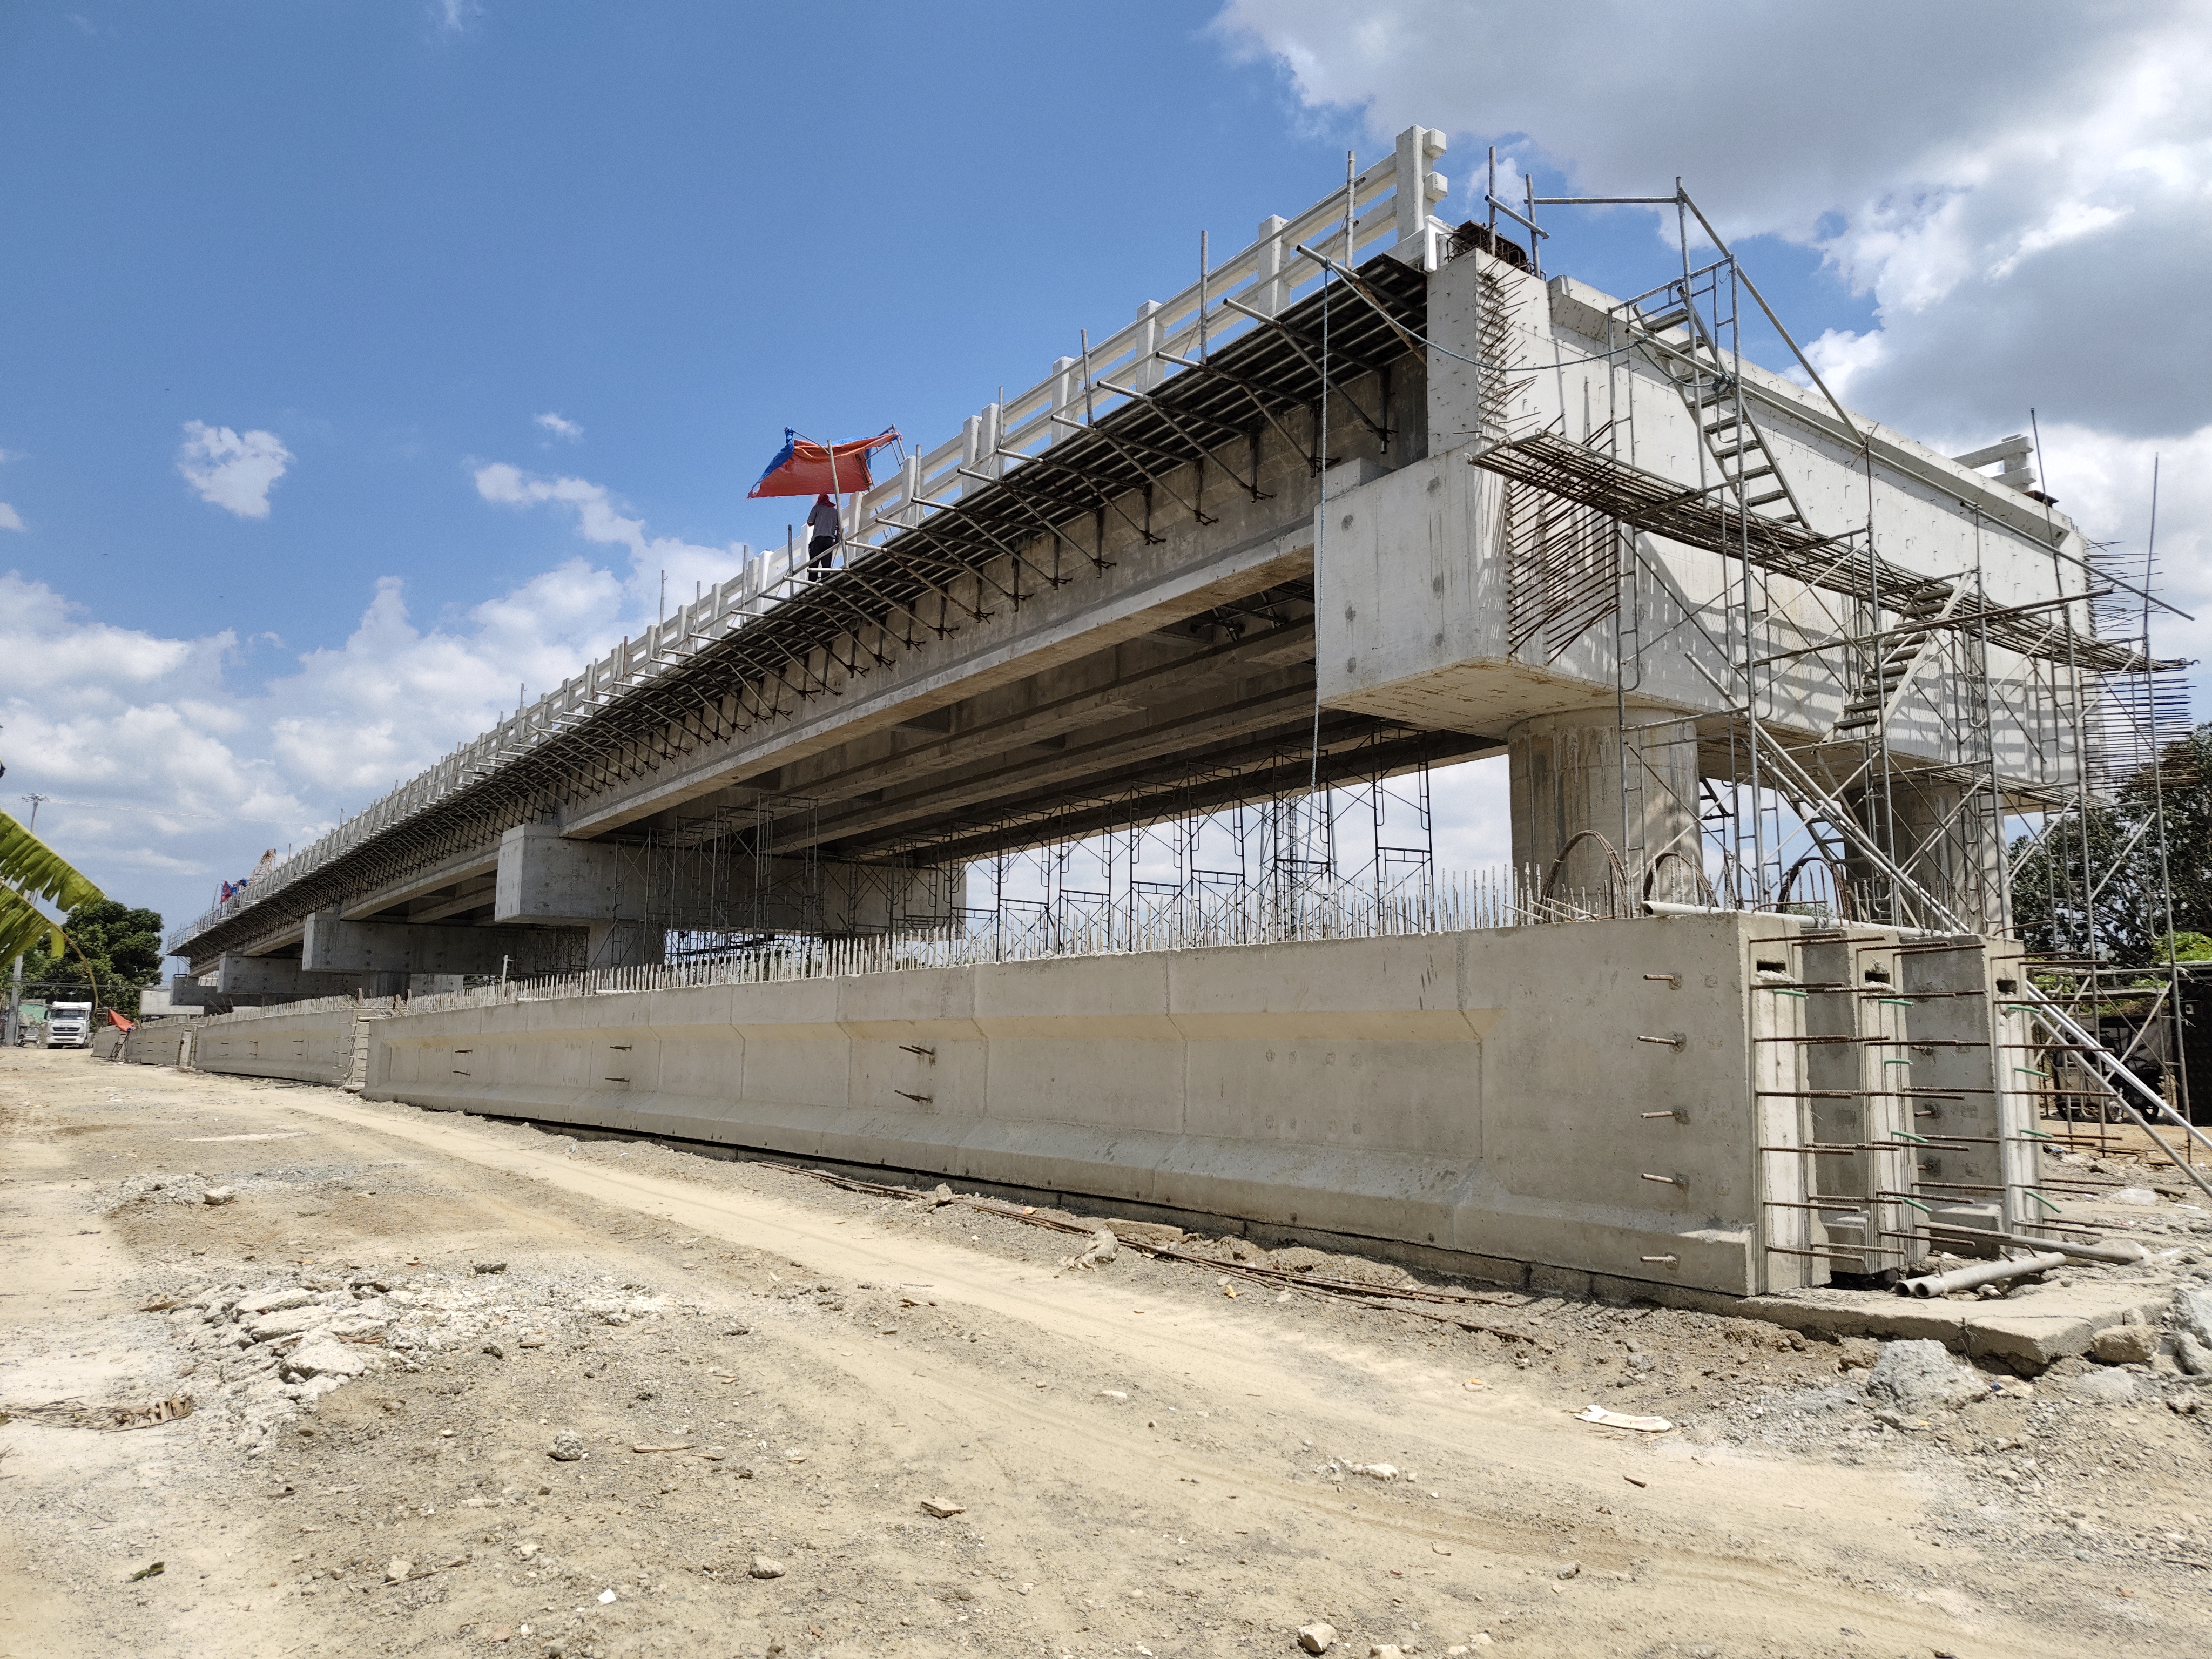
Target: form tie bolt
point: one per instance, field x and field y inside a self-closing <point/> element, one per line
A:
<point x="1677" y="1042"/>
<point x="1667" y="1181"/>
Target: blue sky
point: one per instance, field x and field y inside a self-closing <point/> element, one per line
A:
<point x="373" y="243"/>
<point x="393" y="244"/>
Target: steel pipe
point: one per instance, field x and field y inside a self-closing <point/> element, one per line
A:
<point x="2120" y="1255"/>
<point x="1990" y="1272"/>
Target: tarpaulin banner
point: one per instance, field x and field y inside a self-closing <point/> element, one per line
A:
<point x="803" y="467"/>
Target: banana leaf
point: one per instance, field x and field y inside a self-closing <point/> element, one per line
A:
<point x="21" y="926"/>
<point x="33" y="869"/>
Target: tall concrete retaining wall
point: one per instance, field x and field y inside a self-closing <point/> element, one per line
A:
<point x="316" y="1046"/>
<point x="1483" y="1093"/>
<point x="1711" y="1101"/>
<point x="161" y="1043"/>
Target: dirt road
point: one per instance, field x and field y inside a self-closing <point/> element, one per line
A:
<point x="820" y="1421"/>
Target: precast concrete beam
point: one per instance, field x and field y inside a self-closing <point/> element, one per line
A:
<point x="186" y="992"/>
<point x="241" y="976"/>
<point x="547" y="878"/>
<point x="332" y="945"/>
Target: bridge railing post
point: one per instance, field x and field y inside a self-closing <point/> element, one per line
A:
<point x="1416" y="186"/>
<point x="1267" y="290"/>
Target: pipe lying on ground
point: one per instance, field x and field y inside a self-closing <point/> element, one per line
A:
<point x="2120" y="1255"/>
<point x="1989" y="1273"/>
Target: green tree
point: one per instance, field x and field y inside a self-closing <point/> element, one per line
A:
<point x="109" y="951"/>
<point x="2101" y="871"/>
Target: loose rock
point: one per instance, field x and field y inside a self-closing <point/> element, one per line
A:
<point x="1857" y="1353"/>
<point x="765" y="1567"/>
<point x="325" y="1356"/>
<point x="1316" y="1638"/>
<point x="1920" y="1376"/>
<point x="567" y="1447"/>
<point x="2192" y="1312"/>
<point x="1102" y="1249"/>
<point x="2126" y="1344"/>
<point x="217" y="1195"/>
<point x="941" y="1509"/>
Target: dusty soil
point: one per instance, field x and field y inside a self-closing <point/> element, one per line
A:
<point x="1137" y="1461"/>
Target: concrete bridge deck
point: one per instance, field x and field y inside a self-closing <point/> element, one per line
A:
<point x="1100" y="593"/>
<point x="1116" y="599"/>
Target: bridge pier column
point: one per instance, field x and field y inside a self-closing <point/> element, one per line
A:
<point x="1568" y="779"/>
<point x="1939" y="833"/>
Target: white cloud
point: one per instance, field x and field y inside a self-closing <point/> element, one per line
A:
<point x="559" y="427"/>
<point x="2028" y="201"/>
<point x="171" y="770"/>
<point x="9" y="518"/>
<point x="2025" y="195"/>
<point x="454" y="16"/>
<point x="597" y="520"/>
<point x="235" y="473"/>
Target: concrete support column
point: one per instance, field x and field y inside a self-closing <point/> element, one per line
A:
<point x="1939" y="833"/>
<point x="1568" y="777"/>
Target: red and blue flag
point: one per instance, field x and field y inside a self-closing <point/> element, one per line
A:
<point x="803" y="467"/>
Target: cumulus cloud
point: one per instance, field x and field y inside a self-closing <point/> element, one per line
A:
<point x="598" y="520"/>
<point x="9" y="518"/>
<point x="2026" y="197"/>
<point x="170" y="768"/>
<point x="559" y="427"/>
<point x="2028" y="205"/>
<point x="235" y="472"/>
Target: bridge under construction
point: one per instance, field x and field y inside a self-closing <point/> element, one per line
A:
<point x="1073" y="831"/>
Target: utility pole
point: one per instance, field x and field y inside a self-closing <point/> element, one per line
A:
<point x="11" y="1027"/>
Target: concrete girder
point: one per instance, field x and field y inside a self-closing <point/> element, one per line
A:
<point x="1058" y="628"/>
<point x="610" y="889"/>
<point x="1101" y="712"/>
<point x="332" y="945"/>
<point x="283" y="976"/>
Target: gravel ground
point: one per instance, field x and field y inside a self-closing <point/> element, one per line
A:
<point x="458" y="1387"/>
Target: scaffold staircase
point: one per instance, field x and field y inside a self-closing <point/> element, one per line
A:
<point x="1689" y="329"/>
<point x="1892" y="668"/>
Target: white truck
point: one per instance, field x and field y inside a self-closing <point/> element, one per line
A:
<point x="69" y="1024"/>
